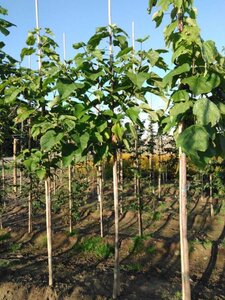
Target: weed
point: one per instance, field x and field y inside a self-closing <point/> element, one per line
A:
<point x="156" y="216"/>
<point x="177" y="295"/>
<point x="136" y="267"/>
<point x="95" y="246"/>
<point x="5" y="236"/>
<point x="151" y="249"/>
<point x="4" y="263"/>
<point x="138" y="243"/>
<point x="42" y="241"/>
<point x="15" y="247"/>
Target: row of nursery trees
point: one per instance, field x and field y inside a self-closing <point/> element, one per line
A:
<point x="91" y="106"/>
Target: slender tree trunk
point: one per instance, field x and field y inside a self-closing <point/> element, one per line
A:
<point x="121" y="180"/>
<point x="3" y="182"/>
<point x="159" y="170"/>
<point x="15" y="166"/>
<point x="49" y="229"/>
<point x="137" y="189"/>
<point x="70" y="198"/>
<point x="211" y="195"/>
<point x="30" y="207"/>
<point x="116" y="285"/>
<point x="100" y="198"/>
<point x="184" y="250"/>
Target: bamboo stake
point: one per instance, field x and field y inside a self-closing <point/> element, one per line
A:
<point x="64" y="46"/>
<point x="38" y="34"/>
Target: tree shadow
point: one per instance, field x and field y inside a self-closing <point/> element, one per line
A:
<point x="203" y="281"/>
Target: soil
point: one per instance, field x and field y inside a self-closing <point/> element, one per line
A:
<point x="149" y="267"/>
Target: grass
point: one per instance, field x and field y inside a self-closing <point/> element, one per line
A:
<point x="4" y="236"/>
<point x="42" y="241"/>
<point x="96" y="246"/>
<point x="15" y="247"/>
<point x="139" y="245"/>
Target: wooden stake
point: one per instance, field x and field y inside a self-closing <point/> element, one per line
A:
<point x="38" y="34"/>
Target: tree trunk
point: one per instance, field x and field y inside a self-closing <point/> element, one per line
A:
<point x="121" y="180"/>
<point x="49" y="229"/>
<point x="159" y="169"/>
<point x="15" y="166"/>
<point x="137" y="189"/>
<point x="3" y="182"/>
<point x="116" y="285"/>
<point x="30" y="207"/>
<point x="211" y="195"/>
<point x="184" y="250"/>
<point x="70" y="198"/>
<point x="100" y="198"/>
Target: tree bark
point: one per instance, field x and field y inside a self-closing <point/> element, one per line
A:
<point x="15" y="165"/>
<point x="211" y="195"/>
<point x="184" y="249"/>
<point x="159" y="169"/>
<point x="70" y="198"/>
<point x="121" y="180"/>
<point x="116" y="285"/>
<point x="49" y="230"/>
<point x="30" y="207"/>
<point x="100" y="198"/>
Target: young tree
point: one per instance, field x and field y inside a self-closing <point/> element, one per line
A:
<point x="197" y="113"/>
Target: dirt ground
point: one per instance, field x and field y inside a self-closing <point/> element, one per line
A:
<point x="149" y="267"/>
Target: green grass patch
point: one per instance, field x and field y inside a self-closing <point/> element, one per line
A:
<point x="15" y="247"/>
<point x="95" y="246"/>
<point x="4" y="236"/>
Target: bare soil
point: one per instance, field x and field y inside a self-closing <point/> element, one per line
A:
<point x="150" y="267"/>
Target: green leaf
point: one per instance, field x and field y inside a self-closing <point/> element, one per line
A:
<point x="12" y="93"/>
<point x="50" y="139"/>
<point x="66" y="87"/>
<point x="124" y="52"/>
<point x="68" y="152"/>
<point x="84" y="140"/>
<point x="26" y="52"/>
<point x="209" y="51"/>
<point x="206" y="112"/>
<point x="133" y="113"/>
<point x="153" y="57"/>
<point x="138" y="79"/>
<point x="180" y="108"/>
<point x="192" y="139"/>
<point x="180" y="96"/>
<point x="31" y="39"/>
<point x="95" y="40"/>
<point x="157" y="17"/>
<point x="23" y="113"/>
<point x="78" y="45"/>
<point x="143" y="39"/>
<point x="41" y="173"/>
<point x="167" y="80"/>
<point x="118" y="130"/>
<point x="199" y="84"/>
